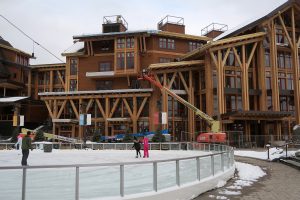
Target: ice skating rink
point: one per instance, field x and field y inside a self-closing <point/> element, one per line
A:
<point x="95" y="182"/>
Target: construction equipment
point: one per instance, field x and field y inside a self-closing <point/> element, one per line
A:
<point x="214" y="124"/>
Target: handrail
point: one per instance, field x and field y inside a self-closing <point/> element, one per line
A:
<point x="107" y="164"/>
<point x="227" y="152"/>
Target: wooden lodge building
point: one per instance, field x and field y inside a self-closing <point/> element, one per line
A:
<point x="247" y="78"/>
<point x="20" y="84"/>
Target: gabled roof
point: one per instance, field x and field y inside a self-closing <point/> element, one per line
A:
<point x="193" y="54"/>
<point x="256" y="20"/>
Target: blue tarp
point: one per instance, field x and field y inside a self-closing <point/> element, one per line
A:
<point x="121" y="136"/>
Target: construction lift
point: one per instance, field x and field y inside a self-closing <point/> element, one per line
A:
<point x="214" y="136"/>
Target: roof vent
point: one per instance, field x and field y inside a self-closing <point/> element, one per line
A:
<point x="214" y="29"/>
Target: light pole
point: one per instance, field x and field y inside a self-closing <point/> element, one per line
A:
<point x="268" y="146"/>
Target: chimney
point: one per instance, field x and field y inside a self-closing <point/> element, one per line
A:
<point x="172" y="24"/>
<point x="114" y="23"/>
<point x="214" y="30"/>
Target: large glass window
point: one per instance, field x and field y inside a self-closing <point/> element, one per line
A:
<point x="73" y="66"/>
<point x="129" y="60"/>
<point x="233" y="79"/>
<point x="267" y="58"/>
<point x="165" y="43"/>
<point x="121" y="43"/>
<point x="268" y="80"/>
<point x="103" y="85"/>
<point x="104" y="67"/>
<point x="194" y="45"/>
<point x="130" y="42"/>
<point x="233" y="103"/>
<point x="73" y="85"/>
<point x="121" y="60"/>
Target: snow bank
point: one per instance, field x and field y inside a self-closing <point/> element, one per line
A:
<point x="274" y="153"/>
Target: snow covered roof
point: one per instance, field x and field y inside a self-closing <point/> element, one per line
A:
<point x="96" y="92"/>
<point x="115" y="33"/>
<point x="11" y="99"/>
<point x="75" y="48"/>
<point x="255" y="20"/>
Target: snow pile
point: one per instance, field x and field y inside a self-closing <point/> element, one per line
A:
<point x="274" y="153"/>
<point x="247" y="175"/>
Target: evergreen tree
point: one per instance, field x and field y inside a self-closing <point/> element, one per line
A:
<point x="14" y="135"/>
<point x="158" y="137"/>
<point x="96" y="136"/>
<point x="39" y="136"/>
<point x="128" y="137"/>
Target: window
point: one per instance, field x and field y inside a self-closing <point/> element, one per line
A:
<point x="269" y="103"/>
<point x="267" y="58"/>
<point x="290" y="84"/>
<point x="268" y="80"/>
<point x="130" y="42"/>
<point x="73" y="85"/>
<point x="194" y="45"/>
<point x="121" y="43"/>
<point x="165" y="60"/>
<point x="166" y="43"/>
<point x="121" y="60"/>
<point x="280" y="59"/>
<point x="129" y="60"/>
<point x="230" y="59"/>
<point x="171" y="44"/>
<point x="162" y="43"/>
<point x="233" y="79"/>
<point x="73" y="67"/>
<point x="233" y="103"/>
<point x="281" y="81"/>
<point x="103" y="85"/>
<point x="104" y="67"/>
<point x="288" y="60"/>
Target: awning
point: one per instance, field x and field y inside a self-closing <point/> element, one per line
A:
<point x="119" y="119"/>
<point x="65" y="120"/>
<point x="257" y="115"/>
<point x="12" y="99"/>
<point x="175" y="64"/>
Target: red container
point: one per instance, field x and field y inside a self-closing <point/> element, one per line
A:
<point x="212" y="137"/>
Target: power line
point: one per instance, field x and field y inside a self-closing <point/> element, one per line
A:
<point x="30" y="37"/>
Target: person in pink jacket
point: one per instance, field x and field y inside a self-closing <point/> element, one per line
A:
<point x="146" y="147"/>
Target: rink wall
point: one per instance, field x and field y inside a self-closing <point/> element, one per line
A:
<point x="187" y="191"/>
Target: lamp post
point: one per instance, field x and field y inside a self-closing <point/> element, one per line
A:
<point x="268" y="146"/>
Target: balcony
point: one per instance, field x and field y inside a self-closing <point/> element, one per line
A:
<point x="100" y="74"/>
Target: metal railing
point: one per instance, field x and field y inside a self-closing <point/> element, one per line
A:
<point x="224" y="158"/>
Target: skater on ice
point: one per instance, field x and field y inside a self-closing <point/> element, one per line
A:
<point x="137" y="146"/>
<point x="26" y="145"/>
<point x="146" y="147"/>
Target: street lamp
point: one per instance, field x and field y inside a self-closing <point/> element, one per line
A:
<point x="268" y="146"/>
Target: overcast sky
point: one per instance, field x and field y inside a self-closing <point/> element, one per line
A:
<point x="52" y="23"/>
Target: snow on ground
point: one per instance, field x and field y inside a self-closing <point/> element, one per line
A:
<point x="247" y="175"/>
<point x="274" y="153"/>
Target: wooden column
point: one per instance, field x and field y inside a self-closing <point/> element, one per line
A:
<point x="295" y="57"/>
<point x="208" y="87"/>
<point x="51" y="81"/>
<point x="106" y="114"/>
<point x="29" y="83"/>
<point x="261" y="78"/>
<point x="165" y="100"/>
<point x="245" y="85"/>
<point x="274" y="67"/>
<point x="134" y="115"/>
<point x="191" y="115"/>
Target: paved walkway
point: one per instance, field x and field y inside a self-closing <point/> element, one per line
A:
<point x="281" y="183"/>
